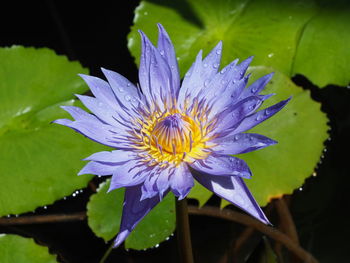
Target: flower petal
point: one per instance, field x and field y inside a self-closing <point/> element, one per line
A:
<point x="211" y="61"/>
<point x="257" y="86"/>
<point x="117" y="156"/>
<point x="234" y="190"/>
<point x="222" y="165"/>
<point x="155" y="75"/>
<point x="241" y="143"/>
<point x="96" y="131"/>
<point x="133" y="211"/>
<point x="99" y="168"/>
<point x="231" y="117"/>
<point x="128" y="174"/>
<point x="167" y="51"/>
<point x="260" y="116"/>
<point x="101" y="90"/>
<point x="126" y="93"/>
<point x="181" y="181"/>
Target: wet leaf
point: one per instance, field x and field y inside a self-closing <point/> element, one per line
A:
<point x="104" y="216"/>
<point x="15" y="249"/>
<point x="39" y="160"/>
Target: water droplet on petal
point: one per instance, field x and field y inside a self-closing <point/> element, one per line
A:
<point x="218" y="51"/>
<point x="223" y="81"/>
<point x="216" y="65"/>
<point x="267" y="112"/>
<point x="206" y="82"/>
<point x="205" y="65"/>
<point x="223" y="71"/>
<point x="236" y="137"/>
<point x="128" y="85"/>
<point x="121" y="89"/>
<point x="161" y="52"/>
<point x="127" y="98"/>
<point x="258" y="117"/>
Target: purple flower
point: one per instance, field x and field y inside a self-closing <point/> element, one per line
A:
<point x="166" y="136"/>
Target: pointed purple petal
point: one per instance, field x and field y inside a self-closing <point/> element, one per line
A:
<point x="222" y="165"/>
<point x="257" y="86"/>
<point x="99" y="168"/>
<point x="232" y="116"/>
<point x="101" y="90"/>
<point x="117" y="156"/>
<point x="166" y="50"/>
<point x="181" y="182"/>
<point x="234" y="190"/>
<point x="126" y="93"/>
<point x="260" y="116"/>
<point x="154" y="74"/>
<point x="96" y="131"/>
<point x="133" y="211"/>
<point x="127" y="174"/>
<point x="241" y="143"/>
<point x="213" y="58"/>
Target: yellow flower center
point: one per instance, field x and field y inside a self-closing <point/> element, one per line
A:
<point x="173" y="136"/>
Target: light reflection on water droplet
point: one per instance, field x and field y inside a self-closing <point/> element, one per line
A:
<point x="218" y="51"/>
<point x="127" y="98"/>
<point x="121" y="89"/>
<point x="216" y="65"/>
<point x="205" y="65"/>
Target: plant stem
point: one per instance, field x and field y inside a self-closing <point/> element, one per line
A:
<point x="183" y="232"/>
<point x="107" y="253"/>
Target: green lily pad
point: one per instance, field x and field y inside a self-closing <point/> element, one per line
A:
<point x="15" y="249"/>
<point x="292" y="37"/>
<point x="323" y="53"/>
<point x="104" y="212"/>
<point x="39" y="161"/>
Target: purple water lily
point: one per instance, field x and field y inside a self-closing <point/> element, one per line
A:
<point x="166" y="136"/>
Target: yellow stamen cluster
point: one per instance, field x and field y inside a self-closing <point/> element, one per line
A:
<point x="173" y="135"/>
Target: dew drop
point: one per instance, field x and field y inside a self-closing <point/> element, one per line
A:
<point x="314" y="174"/>
<point x="218" y="51"/>
<point x="205" y="65"/>
<point x="267" y="112"/>
<point x="45" y="207"/>
<point x="8" y="216"/>
<point x="206" y="82"/>
<point x="128" y="85"/>
<point x="300" y="189"/>
<point x="127" y="98"/>
<point x="254" y="89"/>
<point x="145" y="13"/>
<point x="178" y="58"/>
<point x="161" y="52"/>
<point x="216" y="65"/>
<point x="258" y="117"/>
<point x="65" y="198"/>
<point x="223" y="81"/>
<point x="121" y="89"/>
<point x="236" y="137"/>
<point x="223" y="71"/>
<point x="270" y="55"/>
<point x="156" y="246"/>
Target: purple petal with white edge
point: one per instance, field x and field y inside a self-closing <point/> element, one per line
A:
<point x="260" y="116"/>
<point x="234" y="190"/>
<point x="99" y="168"/>
<point x="79" y="114"/>
<point x="232" y="116"/>
<point x="133" y="211"/>
<point x="211" y="62"/>
<point x="117" y="156"/>
<point x="181" y="181"/>
<point x="241" y="143"/>
<point x="106" y="113"/>
<point x="96" y="131"/>
<point x="128" y="174"/>
<point x="126" y="93"/>
<point x="222" y="165"/>
<point x="167" y="51"/>
<point x="192" y="82"/>
<point x="149" y="187"/>
<point x="257" y="86"/>
<point x="154" y="74"/>
<point x="101" y="90"/>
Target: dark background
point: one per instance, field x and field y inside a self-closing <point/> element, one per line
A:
<point x="95" y="34"/>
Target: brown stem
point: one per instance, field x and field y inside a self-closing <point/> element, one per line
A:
<point x="286" y="219"/>
<point x="40" y="219"/>
<point x="250" y="221"/>
<point x="183" y="232"/>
